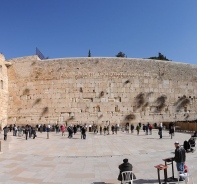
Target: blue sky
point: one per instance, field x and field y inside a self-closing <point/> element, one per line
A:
<point x="69" y="28"/>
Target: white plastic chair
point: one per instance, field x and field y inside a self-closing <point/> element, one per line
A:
<point x="127" y="177"/>
<point x="186" y="175"/>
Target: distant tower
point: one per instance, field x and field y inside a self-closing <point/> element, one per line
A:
<point x="89" y="53"/>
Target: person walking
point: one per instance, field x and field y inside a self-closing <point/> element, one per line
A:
<point x="5" y="131"/>
<point x="70" y="132"/>
<point x="180" y="157"/>
<point x="33" y="132"/>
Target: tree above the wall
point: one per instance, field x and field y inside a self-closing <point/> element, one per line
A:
<point x="159" y="57"/>
<point x="121" y="54"/>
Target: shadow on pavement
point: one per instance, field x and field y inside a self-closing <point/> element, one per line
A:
<point x="141" y="181"/>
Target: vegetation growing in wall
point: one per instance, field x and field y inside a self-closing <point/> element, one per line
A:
<point x="37" y="101"/>
<point x="26" y="92"/>
<point x="161" y="102"/>
<point x="129" y="117"/>
<point x="101" y="94"/>
<point x="126" y="82"/>
<point x="139" y="100"/>
<point x="179" y="100"/>
<point x="45" y="111"/>
<point x="184" y="103"/>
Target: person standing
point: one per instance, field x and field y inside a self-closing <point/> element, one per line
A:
<point x="75" y="129"/>
<point x="26" y="131"/>
<point x="132" y="128"/>
<point x="171" y="129"/>
<point x="48" y="130"/>
<point x="63" y="130"/>
<point x="138" y="129"/>
<point x="150" y="129"/>
<point x="101" y="130"/>
<point x="105" y="129"/>
<point x="5" y="130"/>
<point x="112" y="129"/>
<point x="160" y="132"/>
<point x="84" y="132"/>
<point x="146" y="127"/>
<point x="180" y="158"/>
<point x="30" y="131"/>
<point x="41" y="128"/>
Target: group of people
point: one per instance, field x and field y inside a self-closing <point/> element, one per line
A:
<point x="30" y="131"/>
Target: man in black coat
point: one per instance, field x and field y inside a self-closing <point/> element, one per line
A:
<point x="125" y="166"/>
<point x="5" y="129"/>
<point x="180" y="158"/>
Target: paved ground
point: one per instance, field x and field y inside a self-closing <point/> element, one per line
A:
<point x="60" y="160"/>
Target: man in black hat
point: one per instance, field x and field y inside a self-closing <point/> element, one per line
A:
<point x="125" y="166"/>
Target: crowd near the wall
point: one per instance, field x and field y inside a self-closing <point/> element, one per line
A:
<point x="180" y="157"/>
<point x="30" y="131"/>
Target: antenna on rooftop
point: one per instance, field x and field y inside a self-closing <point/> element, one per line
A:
<point x="40" y="54"/>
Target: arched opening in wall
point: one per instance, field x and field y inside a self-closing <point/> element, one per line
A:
<point x="0" y="68"/>
<point x="1" y="84"/>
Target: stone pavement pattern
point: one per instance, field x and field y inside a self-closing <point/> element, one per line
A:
<point x="60" y="160"/>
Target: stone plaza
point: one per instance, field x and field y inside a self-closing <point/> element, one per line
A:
<point x="59" y="160"/>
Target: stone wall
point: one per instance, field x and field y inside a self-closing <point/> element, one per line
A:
<point x="100" y="90"/>
<point x="3" y="91"/>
